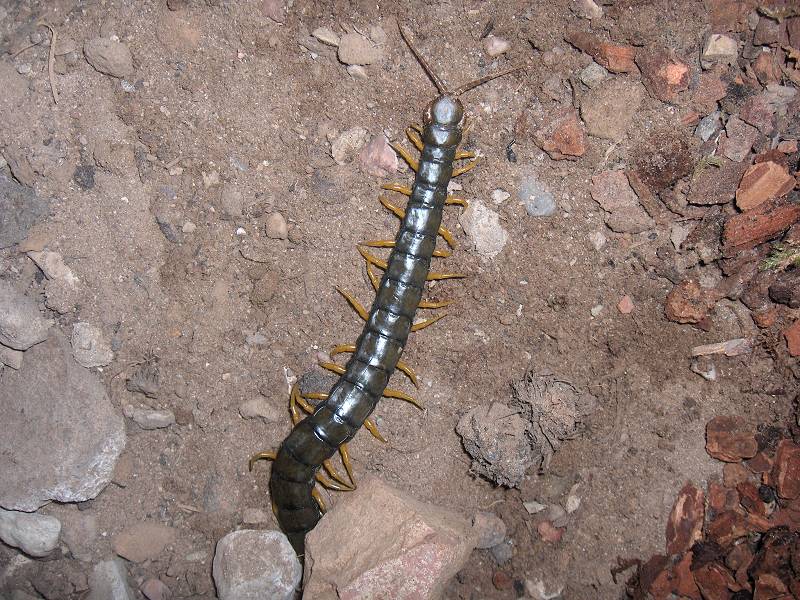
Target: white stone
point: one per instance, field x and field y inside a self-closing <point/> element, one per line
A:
<point x="253" y="565"/>
<point x="109" y="581"/>
<point x="36" y="535"/>
<point x="495" y="46"/>
<point x="326" y="36"/>
<point x="347" y="145"/>
<point x="719" y="49"/>
<point x="53" y="267"/>
<point x="482" y="225"/>
<point x="21" y="323"/>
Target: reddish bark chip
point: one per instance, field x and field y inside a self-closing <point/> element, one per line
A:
<point x="758" y="225"/>
<point x="715" y="582"/>
<point x="762" y="182"/>
<point x="727" y="527"/>
<point x="688" y="302"/>
<point x="770" y="587"/>
<point x="617" y="58"/>
<point x="760" y="463"/>
<point x="730" y="439"/>
<point x="740" y="556"/>
<point x="786" y="470"/>
<point x="792" y="335"/>
<point x="733" y="474"/>
<point x="562" y="136"/>
<point x="750" y="499"/>
<point x="721" y="498"/>
<point x="684" y="584"/>
<point x="685" y="524"/>
<point x="662" y="74"/>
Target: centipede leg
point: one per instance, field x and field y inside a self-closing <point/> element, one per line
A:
<point x="406" y="156"/>
<point x="427" y="322"/>
<point x="357" y="306"/>
<point x="464" y="154"/>
<point x="373" y="429"/>
<point x="401" y="366"/>
<point x="332" y="367"/>
<point x="415" y="138"/>
<point x="450" y="200"/>
<point x="270" y="455"/>
<point x="392" y="393"/>
<point x="399" y="212"/>
<point x="440" y="304"/>
<point x="320" y="502"/>
<point x="433" y="276"/>
<point x="397" y="187"/>
<point x="467" y="167"/>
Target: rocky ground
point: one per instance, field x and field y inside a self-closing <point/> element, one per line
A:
<point x="182" y="185"/>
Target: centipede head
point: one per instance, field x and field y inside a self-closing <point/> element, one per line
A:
<point x="447" y="109"/>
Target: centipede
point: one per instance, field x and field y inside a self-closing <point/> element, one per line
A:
<point x="324" y="423"/>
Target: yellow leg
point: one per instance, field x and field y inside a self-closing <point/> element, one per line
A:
<point x="463" y="154"/>
<point x="373" y="278"/>
<point x="330" y="484"/>
<point x="318" y="497"/>
<point x="357" y="306"/>
<point x="332" y="367"/>
<point x="260" y="456"/>
<point x="378" y="243"/>
<point x="392" y="393"/>
<point x="342" y="348"/>
<point x="427" y="322"/>
<point x="413" y="135"/>
<point x="467" y="167"/>
<point x="373" y="429"/>
<point x="397" y="187"/>
<point x="442" y="253"/>
<point x="344" y="452"/>
<point x="381" y="264"/>
<point x="408" y="371"/>
<point x="406" y="155"/>
<point x="315" y="396"/>
<point x="453" y="200"/>
<point x="442" y="304"/>
<point x="437" y="276"/>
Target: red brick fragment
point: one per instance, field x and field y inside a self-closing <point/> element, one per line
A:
<point x="688" y="302"/>
<point x="730" y="439"/>
<point x="767" y="69"/>
<point x="786" y="470"/>
<point x="617" y="58"/>
<point x="685" y="524"/>
<point x="761" y="224"/>
<point x="762" y="182"/>
<point x="714" y="581"/>
<point x="562" y="136"/>
<point x="663" y="75"/>
<point x="792" y="335"/>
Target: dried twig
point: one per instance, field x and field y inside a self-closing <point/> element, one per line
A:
<point x="51" y="57"/>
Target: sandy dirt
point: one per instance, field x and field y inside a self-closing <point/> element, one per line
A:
<point x="223" y="97"/>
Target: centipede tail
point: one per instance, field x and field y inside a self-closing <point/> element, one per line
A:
<point x="376" y="354"/>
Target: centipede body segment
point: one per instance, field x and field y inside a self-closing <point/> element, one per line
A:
<point x="332" y="423"/>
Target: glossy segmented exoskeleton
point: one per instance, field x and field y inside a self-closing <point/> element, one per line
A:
<point x="376" y="354"/>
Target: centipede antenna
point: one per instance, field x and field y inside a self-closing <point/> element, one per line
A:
<point x="434" y="77"/>
<point x="473" y="84"/>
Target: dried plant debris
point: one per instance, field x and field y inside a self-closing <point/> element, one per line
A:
<point x="145" y="379"/>
<point x="556" y="410"/>
<point x="505" y="440"/>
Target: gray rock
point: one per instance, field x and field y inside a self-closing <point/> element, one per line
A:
<point x="503" y="552"/>
<point x="89" y="347"/>
<point x="593" y="75"/>
<point x="609" y="108"/>
<point x="34" y="534"/>
<point x="61" y="436"/>
<point x="10" y="357"/>
<point x="21" y="323"/>
<point x="536" y="198"/>
<point x="354" y="49"/>
<point x="109" y="56"/>
<point x="261" y="408"/>
<point x="20" y="595"/>
<point x="489" y="528"/>
<point x="482" y="226"/>
<point x="252" y="565"/>
<point x="20" y="208"/>
<point x="147" y="418"/>
<point x="708" y="126"/>
<point x="231" y="201"/>
<point x="109" y="581"/>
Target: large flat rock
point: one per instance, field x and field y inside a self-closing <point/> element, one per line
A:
<point x="61" y="436"/>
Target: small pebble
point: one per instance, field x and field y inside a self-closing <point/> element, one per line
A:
<point x="573" y="499"/>
<point x="597" y="239"/>
<point x="625" y="305"/>
<point x="276" y="227"/>
<point x="188" y="227"/>
<point x="326" y="36"/>
<point x="495" y="46"/>
<point x="109" y="581"/>
<point x="354" y="49"/>
<point x="260" y="408"/>
<point x="549" y="533"/>
<point x="596" y="310"/>
<point x="537" y="199"/>
<point x="503" y="552"/>
<point x="593" y="74"/>
<point x="24" y="68"/>
<point x="490" y="529"/>
<point x="89" y="346"/>
<point x="502" y="580"/>
<point x="708" y="126"/>
<point x="149" y="419"/>
<point x="155" y="589"/>
<point x="533" y="507"/>
<point x="36" y="37"/>
<point x="499" y="196"/>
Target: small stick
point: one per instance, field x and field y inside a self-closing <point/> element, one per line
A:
<point x="51" y="59"/>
